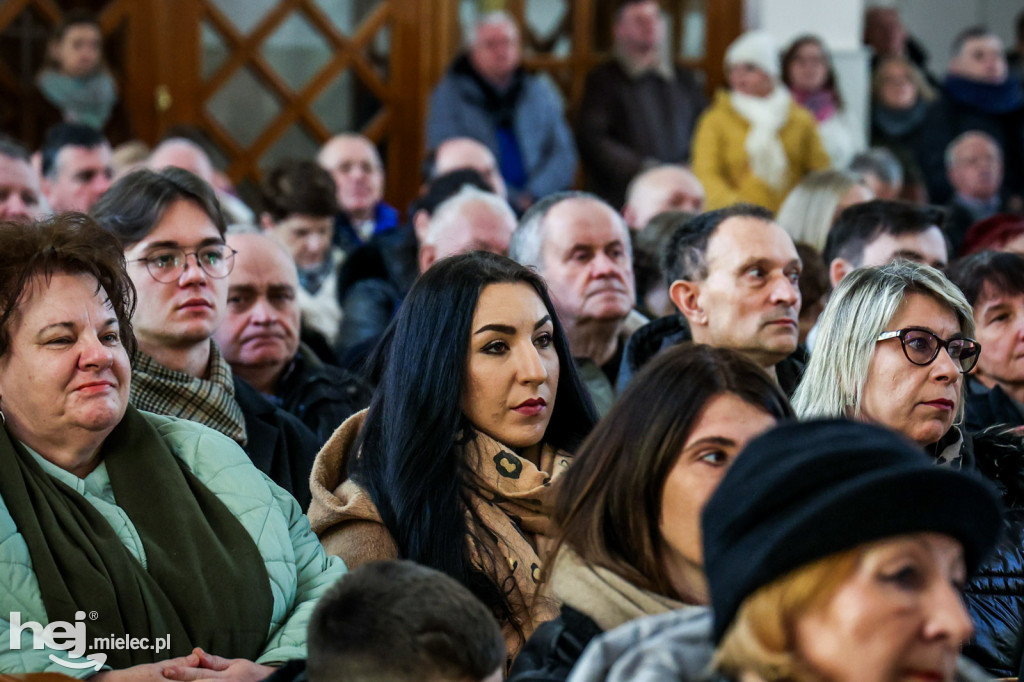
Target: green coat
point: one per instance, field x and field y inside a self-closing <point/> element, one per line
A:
<point x="298" y="568"/>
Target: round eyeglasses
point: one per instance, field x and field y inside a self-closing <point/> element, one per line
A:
<point x="168" y="265"/>
<point x="922" y="347"/>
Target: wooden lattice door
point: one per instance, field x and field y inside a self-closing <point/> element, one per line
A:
<point x="272" y="79"/>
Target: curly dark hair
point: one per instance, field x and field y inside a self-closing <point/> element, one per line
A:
<point x="67" y="243"/>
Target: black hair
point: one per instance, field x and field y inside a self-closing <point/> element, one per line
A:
<point x="622" y="5"/>
<point x="410" y="462"/>
<point x="400" y="621"/>
<point x="969" y="33"/>
<point x="861" y="224"/>
<point x="67" y="135"/>
<point x="76" y="17"/>
<point x="298" y="187"/>
<point x="1001" y="270"/>
<point x="685" y="257"/>
<point x="134" y="205"/>
<point x="445" y="186"/>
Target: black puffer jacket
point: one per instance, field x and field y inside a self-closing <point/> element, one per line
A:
<point x="995" y="595"/>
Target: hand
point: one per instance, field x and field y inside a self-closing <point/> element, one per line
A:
<point x="150" y="672"/>
<point x="209" y="667"/>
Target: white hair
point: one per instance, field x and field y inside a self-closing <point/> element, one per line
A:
<point x="860" y="308"/>
<point x="527" y="247"/>
<point x="445" y="216"/>
<point x="492" y="18"/>
<point x="963" y="137"/>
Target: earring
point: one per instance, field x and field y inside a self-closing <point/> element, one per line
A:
<point x="3" y="419"/>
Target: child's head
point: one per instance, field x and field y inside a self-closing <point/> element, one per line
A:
<point x="397" y="620"/>
<point x="77" y="45"/>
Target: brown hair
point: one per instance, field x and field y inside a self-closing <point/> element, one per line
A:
<point x="609" y="502"/>
<point x="925" y="92"/>
<point x="298" y="187"/>
<point x="761" y="638"/>
<point x="67" y="243"/>
<point x="399" y="620"/>
<point x="830" y="80"/>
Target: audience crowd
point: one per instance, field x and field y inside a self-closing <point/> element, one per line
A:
<point x="587" y="409"/>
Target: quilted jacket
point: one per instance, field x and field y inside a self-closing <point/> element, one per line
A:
<point x="298" y="568"/>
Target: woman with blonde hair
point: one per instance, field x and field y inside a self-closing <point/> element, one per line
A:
<point x="835" y="550"/>
<point x="810" y="209"/>
<point x="894" y="345"/>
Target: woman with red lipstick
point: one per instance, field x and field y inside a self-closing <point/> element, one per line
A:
<point x="477" y="410"/>
<point x="629" y="508"/>
<point x="894" y="345"/>
<point x="159" y="528"/>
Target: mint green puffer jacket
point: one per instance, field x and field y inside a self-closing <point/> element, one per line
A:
<point x="299" y="569"/>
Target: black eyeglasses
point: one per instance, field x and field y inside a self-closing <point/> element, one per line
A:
<point x="922" y="347"/>
<point x="167" y="265"/>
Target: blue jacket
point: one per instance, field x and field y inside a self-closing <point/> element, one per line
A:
<point x="460" y="107"/>
<point x="298" y="568"/>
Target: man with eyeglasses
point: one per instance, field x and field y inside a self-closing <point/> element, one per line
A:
<point x="172" y="229"/>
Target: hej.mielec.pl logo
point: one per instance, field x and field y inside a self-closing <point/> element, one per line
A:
<point x="71" y="637"/>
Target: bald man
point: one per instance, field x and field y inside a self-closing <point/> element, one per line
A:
<point x="662" y="188"/>
<point x="180" y="152"/>
<point x="464" y="152"/>
<point x="472" y="220"/>
<point x="260" y="339"/>
<point x="355" y="165"/>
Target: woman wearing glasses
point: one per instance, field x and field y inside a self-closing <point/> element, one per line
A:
<point x="894" y="345"/>
<point x="172" y="231"/>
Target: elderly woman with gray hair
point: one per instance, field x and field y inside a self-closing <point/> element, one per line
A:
<point x="893" y="347"/>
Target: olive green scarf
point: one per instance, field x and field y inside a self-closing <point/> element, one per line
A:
<point x="206" y="583"/>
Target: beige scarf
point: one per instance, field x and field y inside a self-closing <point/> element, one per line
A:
<point x="510" y="504"/>
<point x="606" y="597"/>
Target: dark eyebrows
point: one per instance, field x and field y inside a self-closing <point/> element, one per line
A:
<point x="711" y="440"/>
<point x="508" y="329"/>
<point x="242" y="289"/>
<point x="168" y="244"/>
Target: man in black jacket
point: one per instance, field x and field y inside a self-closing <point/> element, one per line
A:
<point x="260" y="340"/>
<point x="639" y="109"/>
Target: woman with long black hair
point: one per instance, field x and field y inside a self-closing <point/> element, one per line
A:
<point x="477" y="409"/>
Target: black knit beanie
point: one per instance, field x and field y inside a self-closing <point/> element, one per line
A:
<point x="805" y="491"/>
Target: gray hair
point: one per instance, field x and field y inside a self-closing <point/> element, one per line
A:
<point x="808" y="211"/>
<point x="858" y="311"/>
<point x="950" y="157"/>
<point x="445" y="214"/>
<point x="527" y="246"/>
<point x="498" y="16"/>
<point x="881" y="162"/>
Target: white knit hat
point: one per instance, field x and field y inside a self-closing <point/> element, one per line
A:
<point x="757" y="48"/>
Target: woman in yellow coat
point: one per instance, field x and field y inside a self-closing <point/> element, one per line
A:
<point x="755" y="143"/>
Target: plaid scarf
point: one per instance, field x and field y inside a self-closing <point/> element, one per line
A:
<point x="210" y="401"/>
